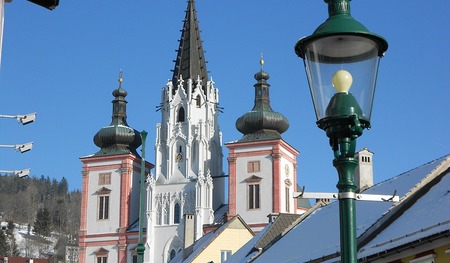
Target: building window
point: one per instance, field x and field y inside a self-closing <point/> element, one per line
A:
<point x="103" y="207"/>
<point x="135" y="259"/>
<point x="287" y="194"/>
<point x="253" y="196"/>
<point x="104" y="178"/>
<point x="253" y="167"/>
<point x="198" y="101"/>
<point x="181" y="115"/>
<point x="224" y="255"/>
<point x="288" y="203"/>
<point x="176" y="213"/>
<point x="101" y="255"/>
<point x="101" y="259"/>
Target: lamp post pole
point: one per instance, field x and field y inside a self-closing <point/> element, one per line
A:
<point x="345" y="166"/>
<point x="339" y="55"/>
<point x="140" y="247"/>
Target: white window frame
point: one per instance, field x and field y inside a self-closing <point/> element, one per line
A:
<point x="255" y="197"/>
<point x="104" y="208"/>
<point x="224" y="255"/>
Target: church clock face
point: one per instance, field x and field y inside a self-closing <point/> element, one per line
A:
<point x="286" y="169"/>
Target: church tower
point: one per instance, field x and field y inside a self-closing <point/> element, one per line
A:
<point x="262" y="166"/>
<point x="110" y="190"/>
<point x="188" y="177"/>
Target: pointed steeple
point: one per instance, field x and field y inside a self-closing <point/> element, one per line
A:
<point x="118" y="137"/>
<point x="261" y="123"/>
<point x="190" y="62"/>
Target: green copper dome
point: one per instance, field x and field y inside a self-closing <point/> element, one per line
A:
<point x="261" y="123"/>
<point x="118" y="137"/>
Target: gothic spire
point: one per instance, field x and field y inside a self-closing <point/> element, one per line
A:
<point x="261" y="123"/>
<point x="190" y="62"/>
<point x="118" y="137"/>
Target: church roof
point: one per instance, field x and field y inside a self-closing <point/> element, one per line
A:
<point x="118" y="137"/>
<point x="190" y="62"/>
<point x="261" y="123"/>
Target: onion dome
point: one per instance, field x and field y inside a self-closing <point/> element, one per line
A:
<point x="261" y="123"/>
<point x="118" y="137"/>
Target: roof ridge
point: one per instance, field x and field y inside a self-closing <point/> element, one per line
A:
<point x="444" y="157"/>
<point x="419" y="189"/>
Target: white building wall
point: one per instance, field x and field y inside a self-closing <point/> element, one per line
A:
<point x="111" y="224"/>
<point x="254" y="215"/>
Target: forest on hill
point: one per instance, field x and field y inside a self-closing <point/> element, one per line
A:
<point x="44" y="210"/>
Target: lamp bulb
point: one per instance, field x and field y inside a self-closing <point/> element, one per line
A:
<point x="342" y="80"/>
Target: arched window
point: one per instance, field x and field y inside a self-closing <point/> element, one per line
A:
<point x="198" y="101"/>
<point x="181" y="115"/>
<point x="176" y="213"/>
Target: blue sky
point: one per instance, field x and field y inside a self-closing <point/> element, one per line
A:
<point x="64" y="64"/>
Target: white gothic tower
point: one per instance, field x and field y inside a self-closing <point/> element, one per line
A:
<point x="188" y="177"/>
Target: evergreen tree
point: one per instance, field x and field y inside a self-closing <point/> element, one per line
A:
<point x="63" y="187"/>
<point x="3" y="244"/>
<point x="42" y="225"/>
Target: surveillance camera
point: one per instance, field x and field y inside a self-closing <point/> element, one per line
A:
<point x="23" y="173"/>
<point x="25" y="147"/>
<point x="29" y="118"/>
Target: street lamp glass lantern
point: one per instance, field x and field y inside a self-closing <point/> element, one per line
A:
<point x="330" y="55"/>
<point x="341" y="46"/>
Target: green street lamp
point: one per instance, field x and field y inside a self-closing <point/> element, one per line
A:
<point x="341" y="60"/>
<point x="140" y="246"/>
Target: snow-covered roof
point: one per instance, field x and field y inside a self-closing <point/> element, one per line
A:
<point x="270" y="233"/>
<point x="317" y="235"/>
<point x="247" y="251"/>
<point x="428" y="216"/>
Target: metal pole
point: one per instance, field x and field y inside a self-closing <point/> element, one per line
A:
<point x="140" y="247"/>
<point x="345" y="164"/>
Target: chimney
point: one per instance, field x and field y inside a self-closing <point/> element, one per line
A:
<point x="364" y="170"/>
<point x="189" y="226"/>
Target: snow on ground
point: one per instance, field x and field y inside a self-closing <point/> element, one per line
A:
<point x="31" y="245"/>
